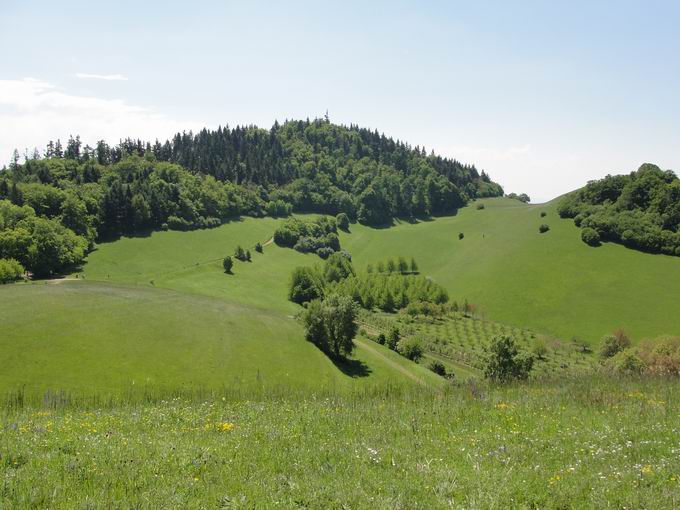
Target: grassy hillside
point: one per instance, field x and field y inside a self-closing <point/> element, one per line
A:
<point x="565" y="444"/>
<point x="553" y="282"/>
<point x="160" y="311"/>
<point x="93" y="338"/>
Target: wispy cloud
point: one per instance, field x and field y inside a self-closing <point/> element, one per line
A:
<point x="32" y="112"/>
<point x="107" y="77"/>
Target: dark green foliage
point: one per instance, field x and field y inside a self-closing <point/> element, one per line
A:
<point x="522" y="197"/>
<point x="438" y="368"/>
<point x="10" y="270"/>
<point x="460" y="236"/>
<point x="318" y="236"/>
<point x="411" y="348"/>
<point x="381" y="339"/>
<point x="337" y="267"/>
<point x="227" y="264"/>
<point x="331" y="324"/>
<point x="414" y="266"/>
<point x="343" y="221"/>
<point x="640" y="210"/>
<point x="306" y="285"/>
<point x="393" y="338"/>
<point x="590" y="236"/>
<point x="240" y="253"/>
<point x="543" y="228"/>
<point x="613" y="344"/>
<point x="543" y="214"/>
<point x="248" y="256"/>
<point x="480" y="207"/>
<point x="258" y="248"/>
<point x="504" y="362"/>
<point x="402" y="265"/>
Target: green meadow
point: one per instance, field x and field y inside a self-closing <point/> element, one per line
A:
<point x="158" y="312"/>
<point x="572" y="443"/>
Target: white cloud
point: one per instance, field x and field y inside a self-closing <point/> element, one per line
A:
<point x="32" y="112"/>
<point x="108" y="77"/>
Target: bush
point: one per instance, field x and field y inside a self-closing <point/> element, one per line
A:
<point x="381" y="339"/>
<point x="343" y="221"/>
<point x="543" y="228"/>
<point x="305" y="285"/>
<point x="393" y="338"/>
<point x="626" y="362"/>
<point x="543" y="214"/>
<point x="590" y="236"/>
<point x="337" y="268"/>
<point x="227" y="264"/>
<point x="438" y="368"/>
<point x="460" y="236"/>
<point x="278" y="208"/>
<point x="10" y="270"/>
<point x="410" y="348"/>
<point x="258" y="248"/>
<point x="539" y="348"/>
<point x="504" y="362"/>
<point x="480" y="207"/>
<point x="613" y="344"/>
<point x="240" y="254"/>
<point x="661" y="355"/>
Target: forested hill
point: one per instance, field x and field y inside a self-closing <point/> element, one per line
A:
<point x="640" y="210"/>
<point x="200" y="180"/>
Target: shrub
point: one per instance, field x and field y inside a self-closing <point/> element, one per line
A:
<point x="414" y="266"/>
<point x="480" y="207"/>
<point x="324" y="252"/>
<point x="613" y="344"/>
<point x="438" y="368"/>
<point x="337" y="267"/>
<point x="258" y="248"/>
<point x="248" y="256"/>
<point x="239" y="253"/>
<point x="539" y="348"/>
<point x="504" y="362"/>
<point x="543" y="214"/>
<point x="661" y="355"/>
<point x="393" y="338"/>
<point x="227" y="264"/>
<point x="590" y="236"/>
<point x="626" y="362"/>
<point x="460" y="236"/>
<point x="381" y="339"/>
<point x="343" y="221"/>
<point x="543" y="228"/>
<point x="305" y="285"/>
<point x="410" y="348"/>
<point x="10" y="270"/>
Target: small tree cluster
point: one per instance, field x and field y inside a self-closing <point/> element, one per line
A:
<point x="241" y="254"/>
<point x="505" y="362"/>
<point x="331" y="324"/>
<point x="613" y="344"/>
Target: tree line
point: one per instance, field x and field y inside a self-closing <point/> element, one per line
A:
<point x="640" y="210"/>
<point x="201" y="180"/>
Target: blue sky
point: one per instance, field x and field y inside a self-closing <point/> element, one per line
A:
<point x="542" y="95"/>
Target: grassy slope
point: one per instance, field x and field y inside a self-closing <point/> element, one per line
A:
<point x="193" y="327"/>
<point x="550" y="282"/>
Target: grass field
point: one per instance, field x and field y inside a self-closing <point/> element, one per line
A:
<point x="552" y="283"/>
<point x="93" y="338"/>
<point x="576" y="444"/>
<point x="158" y="311"/>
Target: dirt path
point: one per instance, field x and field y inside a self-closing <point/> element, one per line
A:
<point x="393" y="364"/>
<point x="269" y="242"/>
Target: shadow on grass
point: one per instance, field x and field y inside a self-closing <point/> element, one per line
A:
<point x="352" y="367"/>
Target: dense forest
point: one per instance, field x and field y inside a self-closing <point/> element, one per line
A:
<point x="56" y="205"/>
<point x="640" y="210"/>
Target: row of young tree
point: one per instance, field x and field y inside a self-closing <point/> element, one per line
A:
<point x="387" y="291"/>
<point x="640" y="210"/>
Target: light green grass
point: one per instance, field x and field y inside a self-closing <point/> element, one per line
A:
<point x="86" y="338"/>
<point x="552" y="283"/>
<point x="567" y="444"/>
